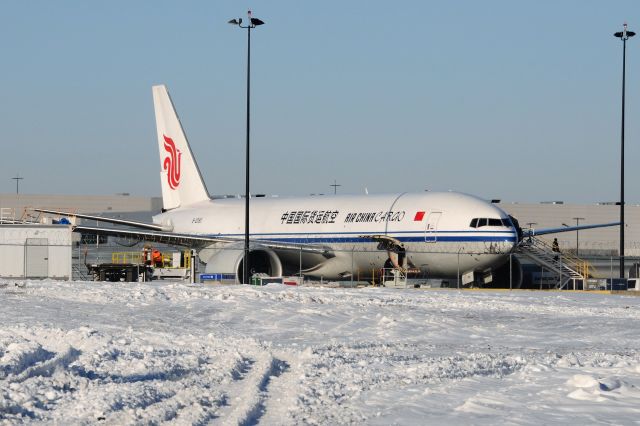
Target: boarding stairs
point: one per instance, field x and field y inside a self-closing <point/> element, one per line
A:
<point x="568" y="267"/>
<point x="394" y="277"/>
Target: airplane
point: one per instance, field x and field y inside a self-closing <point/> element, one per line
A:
<point x="434" y="234"/>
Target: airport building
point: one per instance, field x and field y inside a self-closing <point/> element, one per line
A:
<point x="15" y="206"/>
<point x="590" y="242"/>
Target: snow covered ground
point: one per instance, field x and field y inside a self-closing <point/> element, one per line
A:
<point x="123" y="353"/>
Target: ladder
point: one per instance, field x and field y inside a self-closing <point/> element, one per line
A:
<point x="567" y="266"/>
<point x="394" y="277"/>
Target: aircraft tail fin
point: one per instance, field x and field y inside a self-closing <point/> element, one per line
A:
<point x="180" y="177"/>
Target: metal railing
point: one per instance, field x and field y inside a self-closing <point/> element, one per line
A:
<point x="138" y="257"/>
<point x="355" y="269"/>
<point x="581" y="266"/>
<point x="394" y="277"/>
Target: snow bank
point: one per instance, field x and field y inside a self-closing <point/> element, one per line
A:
<point x="190" y="354"/>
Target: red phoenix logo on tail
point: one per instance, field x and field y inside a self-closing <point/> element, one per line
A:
<point x="172" y="162"/>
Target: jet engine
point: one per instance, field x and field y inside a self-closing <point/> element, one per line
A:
<point x="501" y="277"/>
<point x="229" y="260"/>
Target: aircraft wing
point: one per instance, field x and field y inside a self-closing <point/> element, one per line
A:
<point x="196" y="241"/>
<point x="534" y="232"/>
<point x="160" y="234"/>
<point x="132" y="223"/>
<point x="170" y="238"/>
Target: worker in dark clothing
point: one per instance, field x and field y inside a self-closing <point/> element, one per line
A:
<point x="386" y="270"/>
<point x="402" y="254"/>
<point x="146" y="255"/>
<point x="556" y="248"/>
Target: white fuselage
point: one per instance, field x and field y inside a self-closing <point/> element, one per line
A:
<point x="435" y="228"/>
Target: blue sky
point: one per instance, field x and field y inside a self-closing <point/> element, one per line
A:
<point x="503" y="99"/>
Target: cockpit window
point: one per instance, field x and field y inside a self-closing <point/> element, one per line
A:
<point x="483" y="221"/>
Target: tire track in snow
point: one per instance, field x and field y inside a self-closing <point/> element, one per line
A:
<point x="117" y="378"/>
<point x="249" y="393"/>
<point x="46" y="368"/>
<point x="283" y="390"/>
<point x="26" y="357"/>
<point x="185" y="388"/>
<point x="180" y="405"/>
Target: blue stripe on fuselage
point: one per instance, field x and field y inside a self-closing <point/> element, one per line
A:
<point x="402" y="239"/>
<point x="336" y="238"/>
<point x="390" y="233"/>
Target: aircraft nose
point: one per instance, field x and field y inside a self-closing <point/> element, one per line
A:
<point x="516" y="229"/>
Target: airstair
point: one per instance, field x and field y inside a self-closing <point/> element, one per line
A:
<point x="568" y="267"/>
<point x="394" y="277"/>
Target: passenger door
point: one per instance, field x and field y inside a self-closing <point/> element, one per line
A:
<point x="431" y="229"/>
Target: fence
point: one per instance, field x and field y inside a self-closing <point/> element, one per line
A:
<point x="488" y="265"/>
<point x="39" y="258"/>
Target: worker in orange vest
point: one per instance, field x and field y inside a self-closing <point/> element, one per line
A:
<point x="157" y="258"/>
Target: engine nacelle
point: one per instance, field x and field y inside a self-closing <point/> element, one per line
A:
<point x="501" y="274"/>
<point x="229" y="260"/>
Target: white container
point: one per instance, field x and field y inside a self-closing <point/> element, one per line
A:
<point x="35" y="251"/>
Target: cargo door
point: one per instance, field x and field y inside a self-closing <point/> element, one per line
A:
<point x="431" y="229"/>
<point x="36" y="258"/>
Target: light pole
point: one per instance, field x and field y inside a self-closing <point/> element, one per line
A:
<point x="17" y="179"/>
<point x="578" y="219"/>
<point x="253" y="22"/>
<point x="335" y="187"/>
<point x="624" y="36"/>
